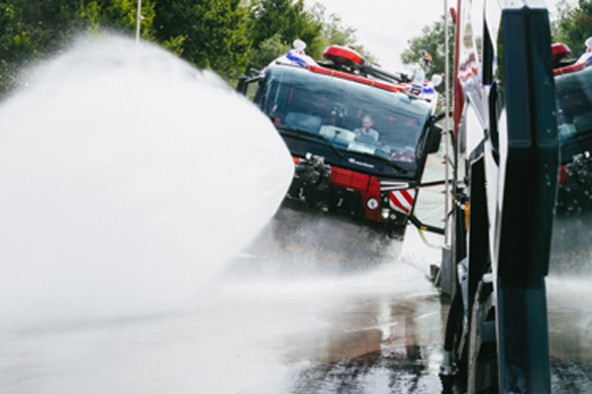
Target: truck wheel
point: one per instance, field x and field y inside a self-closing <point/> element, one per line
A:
<point x="482" y="362"/>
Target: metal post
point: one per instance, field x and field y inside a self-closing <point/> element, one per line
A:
<point x="528" y="161"/>
<point x="138" y="19"/>
<point x="446" y="132"/>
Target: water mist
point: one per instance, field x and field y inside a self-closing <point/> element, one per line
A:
<point x="127" y="178"/>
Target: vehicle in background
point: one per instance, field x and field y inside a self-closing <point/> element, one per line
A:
<point x="359" y="136"/>
<point x="573" y="84"/>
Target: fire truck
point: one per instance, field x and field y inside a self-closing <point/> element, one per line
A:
<point x="359" y="136"/>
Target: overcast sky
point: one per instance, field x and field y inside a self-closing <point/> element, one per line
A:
<point x="384" y="26"/>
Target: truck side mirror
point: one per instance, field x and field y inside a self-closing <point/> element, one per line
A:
<point x="242" y="85"/>
<point x="434" y="137"/>
<point x="246" y="80"/>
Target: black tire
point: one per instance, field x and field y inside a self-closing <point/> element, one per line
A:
<point x="482" y="354"/>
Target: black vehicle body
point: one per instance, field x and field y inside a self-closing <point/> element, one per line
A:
<point x="504" y="192"/>
<point x="317" y="111"/>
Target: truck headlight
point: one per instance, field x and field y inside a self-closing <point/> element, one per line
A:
<point x="372" y="203"/>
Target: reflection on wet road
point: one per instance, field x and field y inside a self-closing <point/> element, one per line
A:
<point x="569" y="289"/>
<point x="378" y="328"/>
<point x="309" y="327"/>
<point x="294" y="314"/>
<point x="399" y="354"/>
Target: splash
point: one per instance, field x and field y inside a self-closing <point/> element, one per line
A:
<point x="127" y="179"/>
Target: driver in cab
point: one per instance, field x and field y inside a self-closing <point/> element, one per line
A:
<point x="366" y="133"/>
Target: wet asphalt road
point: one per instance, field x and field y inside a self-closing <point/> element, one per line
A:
<point x="385" y="336"/>
<point x="316" y="305"/>
<point x="569" y="289"/>
<point x="304" y="324"/>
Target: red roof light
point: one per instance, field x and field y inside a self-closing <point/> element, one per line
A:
<point x="357" y="78"/>
<point x="560" y="49"/>
<point x="342" y="55"/>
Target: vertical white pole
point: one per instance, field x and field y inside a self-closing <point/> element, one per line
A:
<point x="446" y="126"/>
<point x="138" y="18"/>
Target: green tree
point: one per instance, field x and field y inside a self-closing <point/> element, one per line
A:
<point x="573" y="25"/>
<point x="208" y="33"/>
<point x="333" y="32"/>
<point x="118" y="15"/>
<point x="223" y="35"/>
<point x="31" y="30"/>
<point x="275" y="24"/>
<point x="288" y="18"/>
<point x="269" y="50"/>
<point x="432" y="42"/>
<point x="28" y="31"/>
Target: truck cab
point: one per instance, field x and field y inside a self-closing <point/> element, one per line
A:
<point x="359" y="142"/>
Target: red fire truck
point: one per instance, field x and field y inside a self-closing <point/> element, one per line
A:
<point x="359" y="136"/>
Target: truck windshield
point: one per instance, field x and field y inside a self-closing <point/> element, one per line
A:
<point x="352" y="116"/>
<point x="574" y="103"/>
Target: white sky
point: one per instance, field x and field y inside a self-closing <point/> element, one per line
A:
<point x="384" y="26"/>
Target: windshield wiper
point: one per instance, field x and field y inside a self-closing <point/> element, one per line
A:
<point x="305" y="135"/>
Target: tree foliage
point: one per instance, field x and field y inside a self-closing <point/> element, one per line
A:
<point x="268" y="50"/>
<point x="432" y="42"/>
<point x="223" y="35"/>
<point x="333" y="32"/>
<point x="288" y="18"/>
<point x="118" y="15"/>
<point x="31" y="30"/>
<point x="208" y="33"/>
<point x="574" y="24"/>
<point x="27" y="31"/>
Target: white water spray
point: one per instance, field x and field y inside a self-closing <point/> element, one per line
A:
<point x="127" y="178"/>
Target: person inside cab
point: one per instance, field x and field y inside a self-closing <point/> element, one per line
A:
<point x="366" y="133"/>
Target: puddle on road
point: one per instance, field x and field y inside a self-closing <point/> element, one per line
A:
<point x="399" y="354"/>
<point x="569" y="301"/>
<point x="267" y="326"/>
<point x="377" y="319"/>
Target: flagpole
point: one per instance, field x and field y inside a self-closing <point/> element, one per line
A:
<point x="138" y="18"/>
<point x="446" y="125"/>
